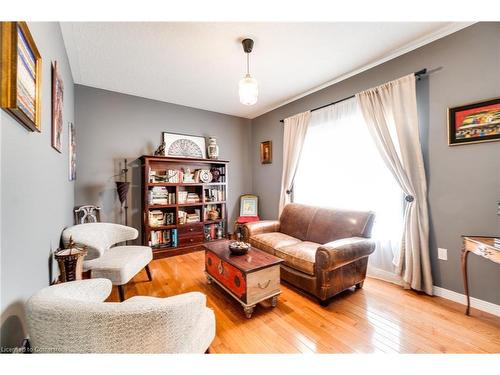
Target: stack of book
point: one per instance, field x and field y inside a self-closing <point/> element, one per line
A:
<point x="161" y="195"/>
<point x="156" y="218"/>
<point x="192" y="218"/>
<point x="192" y="198"/>
<point x="186" y="197"/>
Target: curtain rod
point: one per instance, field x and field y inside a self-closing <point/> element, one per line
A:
<point x="418" y="74"/>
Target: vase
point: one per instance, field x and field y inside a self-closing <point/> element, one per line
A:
<point x="213" y="148"/>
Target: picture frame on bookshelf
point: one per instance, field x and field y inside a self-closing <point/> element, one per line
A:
<point x="20" y="91"/>
<point x="184" y="145"/>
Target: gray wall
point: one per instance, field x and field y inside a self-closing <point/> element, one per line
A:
<point x="464" y="181"/>
<point x="36" y="195"/>
<point x="113" y="126"/>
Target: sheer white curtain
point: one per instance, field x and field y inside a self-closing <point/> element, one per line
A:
<point x="340" y="167"/>
<point x="295" y="129"/>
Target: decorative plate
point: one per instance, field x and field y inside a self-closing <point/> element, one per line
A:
<point x="205" y="176"/>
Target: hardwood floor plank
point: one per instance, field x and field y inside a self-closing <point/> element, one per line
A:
<point x="380" y="318"/>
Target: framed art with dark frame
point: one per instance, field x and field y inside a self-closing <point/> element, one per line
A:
<point x="266" y="152"/>
<point x="184" y="145"/>
<point x="20" y="75"/>
<point x="474" y="123"/>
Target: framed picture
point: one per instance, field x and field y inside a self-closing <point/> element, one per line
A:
<point x="184" y="145"/>
<point x="266" y="152"/>
<point x="248" y="205"/>
<point x="57" y="107"/>
<point x="474" y="123"/>
<point x="72" y="151"/>
<point x="20" y="74"/>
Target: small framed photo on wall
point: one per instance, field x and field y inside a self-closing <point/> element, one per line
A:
<point x="266" y="152"/>
<point x="474" y="123"/>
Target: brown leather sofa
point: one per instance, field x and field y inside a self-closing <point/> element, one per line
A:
<point x="325" y="251"/>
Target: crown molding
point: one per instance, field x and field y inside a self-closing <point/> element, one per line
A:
<point x="438" y="34"/>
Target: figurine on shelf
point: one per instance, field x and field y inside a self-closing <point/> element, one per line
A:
<point x="213" y="214"/>
<point x="212" y="148"/>
<point x="160" y="151"/>
<point x="188" y="176"/>
<point x="215" y="174"/>
<point x="219" y="232"/>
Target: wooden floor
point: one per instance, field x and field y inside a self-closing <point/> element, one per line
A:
<point x="381" y="317"/>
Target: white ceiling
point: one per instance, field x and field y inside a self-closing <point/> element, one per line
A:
<point x="199" y="64"/>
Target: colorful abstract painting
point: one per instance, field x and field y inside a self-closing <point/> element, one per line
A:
<point x="26" y="73"/>
<point x="472" y="123"/>
<point x="57" y="107"/>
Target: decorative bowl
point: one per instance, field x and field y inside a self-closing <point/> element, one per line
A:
<point x="239" y="247"/>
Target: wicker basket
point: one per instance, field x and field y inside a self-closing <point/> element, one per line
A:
<point x="70" y="262"/>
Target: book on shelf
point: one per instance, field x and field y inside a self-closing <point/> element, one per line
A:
<point x="160" y="195"/>
<point x="174" y="237"/>
<point x="193" y="198"/>
<point x="182" y="196"/>
<point x="215" y="195"/>
<point x="171" y="176"/>
<point x="160" y="238"/>
<point x="156" y="218"/>
<point x="214" y="231"/>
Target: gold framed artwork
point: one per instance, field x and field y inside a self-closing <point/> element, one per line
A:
<point x="20" y="75"/>
<point x="57" y="107"/>
<point x="266" y="152"/>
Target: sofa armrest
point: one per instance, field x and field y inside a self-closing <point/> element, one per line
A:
<point x="258" y="227"/>
<point x="338" y="253"/>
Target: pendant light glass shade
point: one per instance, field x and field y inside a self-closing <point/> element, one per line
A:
<point x="248" y="90"/>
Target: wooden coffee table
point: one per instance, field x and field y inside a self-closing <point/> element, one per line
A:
<point x="250" y="278"/>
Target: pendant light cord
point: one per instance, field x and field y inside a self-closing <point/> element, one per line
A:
<point x="248" y="63"/>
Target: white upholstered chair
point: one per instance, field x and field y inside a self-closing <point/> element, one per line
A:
<point x="119" y="263"/>
<point x="72" y="318"/>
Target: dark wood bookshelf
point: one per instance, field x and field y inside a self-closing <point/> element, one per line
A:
<point x="191" y="235"/>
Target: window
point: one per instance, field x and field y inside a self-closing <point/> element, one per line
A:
<point x="340" y="167"/>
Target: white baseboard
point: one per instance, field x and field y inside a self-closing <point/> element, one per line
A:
<point x="462" y="299"/>
<point x="476" y="303"/>
<point x="383" y="275"/>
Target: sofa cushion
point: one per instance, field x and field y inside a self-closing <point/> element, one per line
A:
<point x="119" y="264"/>
<point x="268" y="242"/>
<point x="333" y="224"/>
<point x="295" y="220"/>
<point x="301" y="255"/>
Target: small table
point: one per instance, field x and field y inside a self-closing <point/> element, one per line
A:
<point x="250" y="278"/>
<point x="482" y="246"/>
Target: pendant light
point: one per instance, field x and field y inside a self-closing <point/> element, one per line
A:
<point x="248" y="86"/>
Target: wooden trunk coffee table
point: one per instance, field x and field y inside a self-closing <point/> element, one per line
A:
<point x="250" y="278"/>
